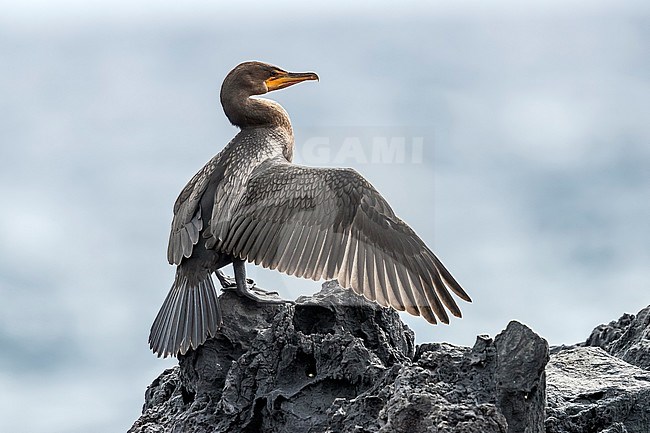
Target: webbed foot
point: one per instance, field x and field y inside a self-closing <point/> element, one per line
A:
<point x="246" y="287"/>
<point x="230" y="283"/>
<point x="260" y="295"/>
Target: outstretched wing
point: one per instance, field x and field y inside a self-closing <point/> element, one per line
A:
<point x="324" y="223"/>
<point x="192" y="208"/>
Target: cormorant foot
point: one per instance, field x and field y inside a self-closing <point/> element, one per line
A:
<point x="252" y="291"/>
<point x="230" y="283"/>
<point x="244" y="287"/>
<point x="260" y="295"/>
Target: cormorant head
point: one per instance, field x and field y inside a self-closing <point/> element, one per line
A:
<point x="257" y="78"/>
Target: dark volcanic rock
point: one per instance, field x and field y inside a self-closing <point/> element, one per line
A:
<point x="602" y="385"/>
<point x="335" y="362"/>
<point x="521" y="382"/>
<point x="590" y="390"/>
<point x="627" y="338"/>
<point x="482" y="389"/>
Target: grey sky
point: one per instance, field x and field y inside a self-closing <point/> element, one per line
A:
<point x="533" y="185"/>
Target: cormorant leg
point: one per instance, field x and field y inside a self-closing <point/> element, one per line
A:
<point x="229" y="283"/>
<point x="252" y="292"/>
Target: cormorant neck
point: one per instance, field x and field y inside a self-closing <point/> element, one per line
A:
<point x="250" y="112"/>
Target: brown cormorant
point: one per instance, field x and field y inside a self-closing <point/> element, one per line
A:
<point x="250" y="203"/>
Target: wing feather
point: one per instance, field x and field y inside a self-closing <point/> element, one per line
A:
<point x="453" y="284"/>
<point x="404" y="291"/>
<point x="304" y="251"/>
<point x="296" y="249"/>
<point x="258" y="241"/>
<point x="392" y="288"/>
<point x="336" y="254"/>
<point x="186" y="243"/>
<point x="380" y="289"/>
<point x="347" y="264"/>
<point x="331" y="223"/>
<point x="269" y="244"/>
<point x="369" y="273"/>
<point x="321" y="261"/>
<point x="195" y="198"/>
<point x="358" y="265"/>
<point x="285" y="247"/>
<point x="435" y="285"/>
<point x="309" y="243"/>
<point x="420" y="285"/>
<point x="425" y="310"/>
<point x="253" y="234"/>
<point x="238" y="238"/>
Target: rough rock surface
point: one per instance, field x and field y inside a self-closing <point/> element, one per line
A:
<point x="335" y="362"/>
<point x="590" y="390"/>
<point x="602" y="385"/>
<point x="627" y="338"/>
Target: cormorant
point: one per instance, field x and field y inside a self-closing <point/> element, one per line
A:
<point x="250" y="203"/>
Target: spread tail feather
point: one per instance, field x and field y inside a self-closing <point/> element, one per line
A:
<point x="189" y="315"/>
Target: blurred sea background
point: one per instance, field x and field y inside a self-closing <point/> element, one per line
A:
<point x="521" y="140"/>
